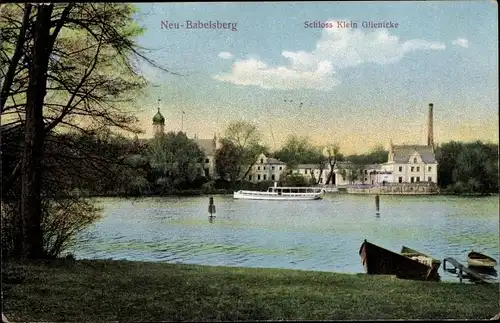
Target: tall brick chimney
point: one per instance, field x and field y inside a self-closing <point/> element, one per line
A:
<point x="430" y="134"/>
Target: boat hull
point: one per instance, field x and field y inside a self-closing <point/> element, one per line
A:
<point x="275" y="197"/>
<point x="408" y="252"/>
<point x="479" y="260"/>
<point x="379" y="261"/>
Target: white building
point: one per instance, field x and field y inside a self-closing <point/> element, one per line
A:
<point x="266" y="169"/>
<point x="411" y="164"/>
<point x="414" y="163"/>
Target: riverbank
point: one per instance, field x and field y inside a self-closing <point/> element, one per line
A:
<point x="104" y="290"/>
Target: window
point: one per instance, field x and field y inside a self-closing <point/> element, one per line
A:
<point x="414" y="160"/>
<point x="366" y="172"/>
<point x="418" y="178"/>
<point x="306" y="171"/>
<point x="264" y="167"/>
<point x="249" y="177"/>
<point x="272" y="167"/>
<point x="264" y="177"/>
<point x="258" y="167"/>
<point x="429" y="179"/>
<point x="400" y="169"/>
<point x="273" y="177"/>
<point x="207" y="160"/>
<point x="412" y="180"/>
<point x="258" y="177"/>
<point x="418" y="169"/>
<point x="429" y="169"/>
<point x="281" y="168"/>
<point x="412" y="168"/>
<point x="206" y="172"/>
<point x="262" y="161"/>
<point x="400" y="179"/>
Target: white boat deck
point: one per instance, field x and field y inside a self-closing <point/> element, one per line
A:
<point x="281" y="193"/>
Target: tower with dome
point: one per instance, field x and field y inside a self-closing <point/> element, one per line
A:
<point x="158" y="124"/>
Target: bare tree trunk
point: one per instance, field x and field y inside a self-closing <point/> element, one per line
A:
<point x="332" y="172"/>
<point x="31" y="202"/>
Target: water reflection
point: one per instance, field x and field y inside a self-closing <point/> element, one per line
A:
<point x="312" y="235"/>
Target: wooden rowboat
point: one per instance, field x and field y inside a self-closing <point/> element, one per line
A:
<point x="417" y="255"/>
<point x="379" y="261"/>
<point x="476" y="259"/>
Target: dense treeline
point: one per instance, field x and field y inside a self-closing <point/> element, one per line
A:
<point x="468" y="168"/>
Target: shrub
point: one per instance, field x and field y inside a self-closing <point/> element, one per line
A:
<point x="62" y="220"/>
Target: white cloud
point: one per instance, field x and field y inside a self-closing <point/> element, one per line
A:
<point x="225" y="55"/>
<point x="461" y="42"/>
<point x="336" y="49"/>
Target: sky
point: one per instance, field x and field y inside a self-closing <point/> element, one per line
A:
<point x="300" y="68"/>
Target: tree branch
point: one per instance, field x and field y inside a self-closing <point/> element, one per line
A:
<point x="7" y="84"/>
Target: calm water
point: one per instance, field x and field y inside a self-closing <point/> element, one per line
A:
<point x="312" y="235"/>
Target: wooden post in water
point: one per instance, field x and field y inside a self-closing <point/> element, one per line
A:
<point x="377" y="205"/>
<point x="211" y="209"/>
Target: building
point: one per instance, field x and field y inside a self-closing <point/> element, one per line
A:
<point x="266" y="169"/>
<point x="405" y="164"/>
<point x="209" y="147"/>
<point x="413" y="163"/>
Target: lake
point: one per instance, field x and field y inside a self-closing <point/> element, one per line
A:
<point x="320" y="235"/>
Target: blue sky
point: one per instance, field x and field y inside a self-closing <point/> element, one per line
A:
<point x="359" y="87"/>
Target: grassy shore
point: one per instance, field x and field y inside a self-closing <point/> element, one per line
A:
<point x="68" y="290"/>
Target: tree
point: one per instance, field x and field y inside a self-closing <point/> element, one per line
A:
<point x="377" y="155"/>
<point x="321" y="161"/>
<point x="295" y="180"/>
<point x="297" y="150"/>
<point x="333" y="155"/>
<point x="227" y="161"/>
<point x="447" y="156"/>
<point x="242" y="141"/>
<point x="31" y="200"/>
<point x="468" y="167"/>
<point x="352" y="172"/>
<point x="74" y="165"/>
<point x="68" y="66"/>
<point x="176" y="157"/>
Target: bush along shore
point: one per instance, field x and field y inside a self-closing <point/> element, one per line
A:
<point x="110" y="290"/>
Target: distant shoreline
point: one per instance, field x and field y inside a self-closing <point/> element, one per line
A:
<point x="194" y="192"/>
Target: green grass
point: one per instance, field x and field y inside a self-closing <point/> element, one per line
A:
<point x="66" y="290"/>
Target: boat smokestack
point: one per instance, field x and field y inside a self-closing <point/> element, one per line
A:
<point x="430" y="134"/>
